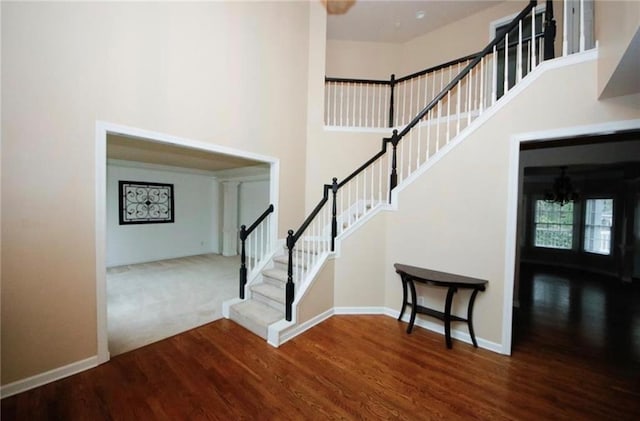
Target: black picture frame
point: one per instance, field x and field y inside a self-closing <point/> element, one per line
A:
<point x="143" y="202"/>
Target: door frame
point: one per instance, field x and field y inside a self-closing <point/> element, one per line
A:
<point x="514" y="190"/>
<point x="102" y="130"/>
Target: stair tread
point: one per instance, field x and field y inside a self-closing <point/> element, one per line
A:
<point x="276" y="274"/>
<point x="284" y="260"/>
<point x="270" y="291"/>
<point x="259" y="313"/>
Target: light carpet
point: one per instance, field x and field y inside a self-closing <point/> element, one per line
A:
<point x="148" y="302"/>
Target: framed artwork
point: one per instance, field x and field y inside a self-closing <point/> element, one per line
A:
<point x="145" y="203"/>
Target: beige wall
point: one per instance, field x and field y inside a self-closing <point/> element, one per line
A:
<point x="360" y="267"/>
<point x="229" y="73"/>
<point x="454" y="217"/>
<point x="362" y="60"/>
<point x="458" y="39"/>
<point x="618" y="34"/>
<point x="319" y="296"/>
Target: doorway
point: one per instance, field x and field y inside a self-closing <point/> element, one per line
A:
<point x="159" y="151"/>
<point x="572" y="284"/>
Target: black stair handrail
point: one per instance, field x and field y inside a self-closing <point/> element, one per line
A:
<point x="244" y="233"/>
<point x="403" y="78"/>
<point x="489" y="48"/>
<point x="294" y="236"/>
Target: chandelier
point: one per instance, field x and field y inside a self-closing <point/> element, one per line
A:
<point x="337" y="7"/>
<point x="562" y="191"/>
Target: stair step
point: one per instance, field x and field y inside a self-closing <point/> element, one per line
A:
<point x="269" y="294"/>
<point x="307" y="245"/>
<point x="255" y="316"/>
<point x="276" y="277"/>
<point x="282" y="262"/>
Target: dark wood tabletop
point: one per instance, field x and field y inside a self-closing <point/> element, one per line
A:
<point x="440" y="278"/>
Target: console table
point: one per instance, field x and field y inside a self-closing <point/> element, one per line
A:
<point x="411" y="274"/>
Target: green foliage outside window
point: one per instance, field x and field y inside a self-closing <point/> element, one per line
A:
<point x="553" y="225"/>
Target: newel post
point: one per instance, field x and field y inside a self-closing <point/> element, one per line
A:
<point x="289" y="291"/>
<point x="549" y="31"/>
<point x="393" y="178"/>
<point x="392" y="84"/>
<point x="243" y="260"/>
<point x="334" y="211"/>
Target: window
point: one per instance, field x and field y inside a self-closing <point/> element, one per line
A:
<point x="553" y="225"/>
<point x="597" y="225"/>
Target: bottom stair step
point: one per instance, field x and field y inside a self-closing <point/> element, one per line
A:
<point x="255" y="316"/>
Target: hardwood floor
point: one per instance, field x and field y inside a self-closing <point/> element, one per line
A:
<point x="348" y="367"/>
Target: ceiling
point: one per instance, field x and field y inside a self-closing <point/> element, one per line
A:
<point x="143" y="150"/>
<point x="396" y="22"/>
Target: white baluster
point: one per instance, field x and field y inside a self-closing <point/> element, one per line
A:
<point x="327" y="102"/>
<point x="419" y="125"/>
<point x="458" y="95"/>
<point x="362" y="87"/>
<point x="373" y="185"/>
<point x="494" y="93"/>
<point x="533" y="39"/>
<point x="341" y="102"/>
<point x="565" y="29"/>
<point x="449" y="107"/>
<point x="380" y="178"/>
<point x="366" y="106"/>
<point x="506" y="64"/>
<point x="469" y="93"/>
<point x="404" y="104"/>
<point x="582" y="36"/>
<point x="519" y="53"/>
<point x="375" y="118"/>
<point x="482" y="76"/>
<point x="335" y="104"/>
<point x="382" y="91"/>
<point x="348" y="117"/>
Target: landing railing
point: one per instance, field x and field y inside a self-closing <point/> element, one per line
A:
<point x="255" y="244"/>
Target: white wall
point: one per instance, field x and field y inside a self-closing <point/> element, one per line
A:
<point x="253" y="199"/>
<point x="196" y="226"/>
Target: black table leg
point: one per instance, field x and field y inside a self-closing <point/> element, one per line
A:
<point x="413" y="305"/>
<point x="447" y="316"/>
<point x="470" y="317"/>
<point x="404" y="297"/>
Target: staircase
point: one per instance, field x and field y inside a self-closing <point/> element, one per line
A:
<point x="267" y="303"/>
<point x="281" y="277"/>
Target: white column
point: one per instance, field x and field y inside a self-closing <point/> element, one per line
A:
<point x="230" y="218"/>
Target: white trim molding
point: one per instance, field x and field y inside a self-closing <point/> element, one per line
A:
<point x="516" y="140"/>
<point x="103" y="129"/>
<point x="48" y="377"/>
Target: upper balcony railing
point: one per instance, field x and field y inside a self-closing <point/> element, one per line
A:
<point x="392" y="103"/>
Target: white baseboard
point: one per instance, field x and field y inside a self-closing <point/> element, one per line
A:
<point x="290" y="333"/>
<point x="455" y="333"/>
<point x="426" y="324"/>
<point x="227" y="304"/>
<point x="360" y="310"/>
<point x="47" y="377"/>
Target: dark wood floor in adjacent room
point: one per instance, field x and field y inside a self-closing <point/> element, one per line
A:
<point x="353" y="367"/>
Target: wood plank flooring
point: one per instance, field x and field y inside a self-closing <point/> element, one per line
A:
<point x="348" y="367"/>
<point x="576" y="356"/>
